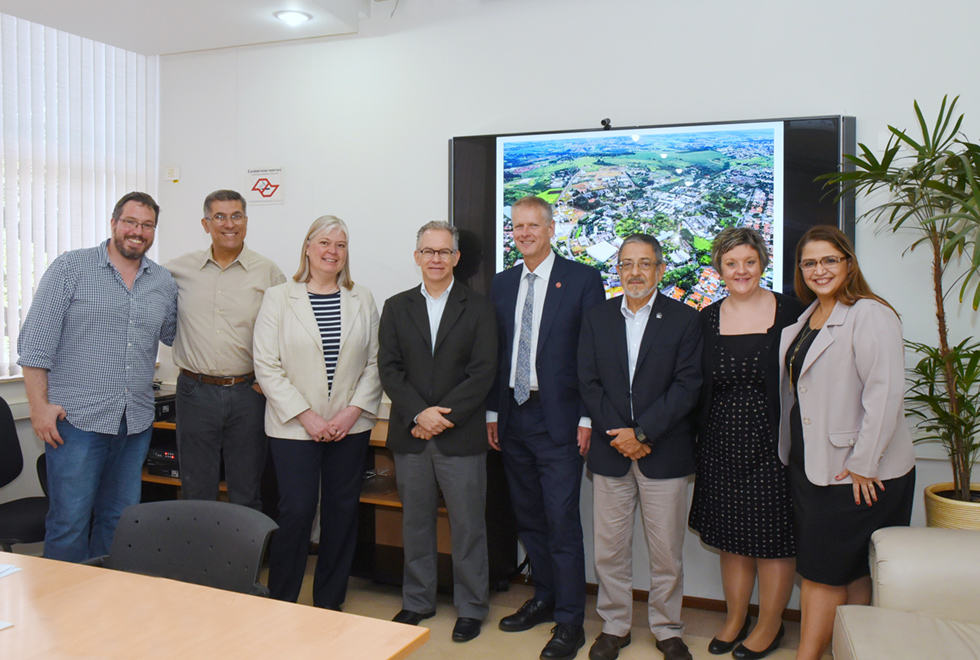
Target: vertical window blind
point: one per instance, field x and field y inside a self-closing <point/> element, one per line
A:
<point x="79" y="122"/>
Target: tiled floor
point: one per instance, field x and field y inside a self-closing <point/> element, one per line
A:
<point x="382" y="601"/>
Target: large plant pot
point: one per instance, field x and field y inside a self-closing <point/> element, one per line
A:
<point x="952" y="514"/>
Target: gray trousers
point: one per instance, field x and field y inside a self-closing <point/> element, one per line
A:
<point x="463" y="480"/>
<point x="212" y="421"/>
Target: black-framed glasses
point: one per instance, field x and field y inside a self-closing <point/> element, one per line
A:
<point x="645" y="265"/>
<point x="827" y="262"/>
<point x="444" y="254"/>
<point x="145" y="226"/>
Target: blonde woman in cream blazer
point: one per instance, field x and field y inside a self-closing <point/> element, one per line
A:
<point x="316" y="358"/>
<point x="842" y="430"/>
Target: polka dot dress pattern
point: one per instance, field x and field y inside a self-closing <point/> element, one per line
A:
<point x="741" y="498"/>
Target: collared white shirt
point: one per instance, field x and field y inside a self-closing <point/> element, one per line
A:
<point x="543" y="273"/>
<point x="636" y="325"/>
<point x="435" y="307"/>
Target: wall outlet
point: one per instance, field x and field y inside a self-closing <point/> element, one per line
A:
<point x="171" y="174"/>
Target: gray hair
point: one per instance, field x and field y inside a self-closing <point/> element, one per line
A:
<point x="646" y="239"/>
<point x="322" y="225"/>
<point x="223" y="196"/>
<point x="437" y="225"/>
<point x="731" y="237"/>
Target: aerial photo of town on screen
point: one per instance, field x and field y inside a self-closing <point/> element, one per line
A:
<point x="682" y="185"/>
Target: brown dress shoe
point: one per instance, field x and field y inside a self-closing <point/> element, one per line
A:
<point x="606" y="646"/>
<point x="674" y="648"/>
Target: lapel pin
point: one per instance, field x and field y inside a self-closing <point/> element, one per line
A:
<point x="659" y="315"/>
<point x="557" y="285"/>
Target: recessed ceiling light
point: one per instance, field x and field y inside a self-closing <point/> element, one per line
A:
<point x="292" y="18"/>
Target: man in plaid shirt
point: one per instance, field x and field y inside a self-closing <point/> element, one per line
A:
<point x="88" y="347"/>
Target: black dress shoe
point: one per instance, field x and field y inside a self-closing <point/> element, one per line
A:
<point x="718" y="647"/>
<point x="566" y="640"/>
<point x="742" y="652"/>
<point x="531" y="614"/>
<point x="606" y="646"/>
<point x="674" y="648"/>
<point x="412" y="618"/>
<point x="466" y="629"/>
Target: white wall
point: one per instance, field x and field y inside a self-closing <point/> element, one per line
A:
<point x="360" y="124"/>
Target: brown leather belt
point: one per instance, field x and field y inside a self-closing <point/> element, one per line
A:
<point x="225" y="381"/>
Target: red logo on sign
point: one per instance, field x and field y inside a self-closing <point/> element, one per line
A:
<point x="265" y="187"/>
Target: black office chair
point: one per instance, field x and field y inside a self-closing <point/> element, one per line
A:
<point x="215" y="544"/>
<point x="21" y="521"/>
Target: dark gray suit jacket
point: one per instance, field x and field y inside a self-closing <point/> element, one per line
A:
<point x="457" y="375"/>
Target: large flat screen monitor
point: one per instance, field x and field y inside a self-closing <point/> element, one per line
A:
<point x="680" y="183"/>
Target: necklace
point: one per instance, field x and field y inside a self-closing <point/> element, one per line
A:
<point x="807" y="331"/>
<point x="320" y="290"/>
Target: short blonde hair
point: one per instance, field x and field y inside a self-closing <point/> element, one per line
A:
<point x="323" y="225"/>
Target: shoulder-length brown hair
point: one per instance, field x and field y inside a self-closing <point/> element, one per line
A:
<point x="854" y="288"/>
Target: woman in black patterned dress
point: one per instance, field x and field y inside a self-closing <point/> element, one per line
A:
<point x="741" y="502"/>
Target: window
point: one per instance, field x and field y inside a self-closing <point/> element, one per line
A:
<point x="79" y="123"/>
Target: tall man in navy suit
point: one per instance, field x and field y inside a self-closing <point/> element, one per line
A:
<point x="639" y="362"/>
<point x="437" y="355"/>
<point x="536" y="418"/>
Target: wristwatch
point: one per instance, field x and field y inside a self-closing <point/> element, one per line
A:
<point x="641" y="436"/>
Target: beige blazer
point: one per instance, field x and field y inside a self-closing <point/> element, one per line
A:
<point x="289" y="366"/>
<point x="852" y="395"/>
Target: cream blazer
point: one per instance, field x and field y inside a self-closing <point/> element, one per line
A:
<point x="288" y="356"/>
<point x="852" y="395"/>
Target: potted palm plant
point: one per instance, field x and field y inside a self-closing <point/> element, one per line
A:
<point x="932" y="192"/>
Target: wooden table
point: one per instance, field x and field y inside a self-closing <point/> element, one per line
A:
<point x="62" y="610"/>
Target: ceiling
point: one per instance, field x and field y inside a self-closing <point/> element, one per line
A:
<point x="164" y="27"/>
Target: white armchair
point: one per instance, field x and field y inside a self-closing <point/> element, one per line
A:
<point x="926" y="599"/>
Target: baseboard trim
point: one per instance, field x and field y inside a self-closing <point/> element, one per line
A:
<point x="694" y="602"/>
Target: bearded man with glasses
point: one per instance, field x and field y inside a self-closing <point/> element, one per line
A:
<point x="639" y="365"/>
<point x="88" y="347"/>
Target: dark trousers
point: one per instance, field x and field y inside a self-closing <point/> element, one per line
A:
<point x="214" y="421"/>
<point x="335" y="472"/>
<point x="545" y="479"/>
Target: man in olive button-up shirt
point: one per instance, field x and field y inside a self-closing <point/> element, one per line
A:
<point x="220" y="410"/>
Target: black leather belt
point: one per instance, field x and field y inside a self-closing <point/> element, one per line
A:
<point x="224" y="381"/>
<point x="534" y="397"/>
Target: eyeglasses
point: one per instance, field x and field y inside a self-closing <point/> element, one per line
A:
<point x="148" y="227"/>
<point x="444" y="254"/>
<point x="237" y="218"/>
<point x="827" y="262"/>
<point x="644" y="264"/>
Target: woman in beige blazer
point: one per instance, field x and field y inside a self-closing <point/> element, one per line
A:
<point x="842" y="430"/>
<point x="316" y="358"/>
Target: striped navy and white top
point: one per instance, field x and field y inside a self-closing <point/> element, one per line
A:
<point x="326" y="309"/>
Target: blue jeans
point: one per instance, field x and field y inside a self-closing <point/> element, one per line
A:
<point x="91" y="479"/>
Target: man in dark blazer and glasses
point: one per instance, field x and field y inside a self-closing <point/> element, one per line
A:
<point x="437" y="356"/>
<point x="639" y="364"/>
